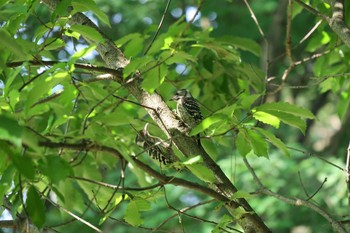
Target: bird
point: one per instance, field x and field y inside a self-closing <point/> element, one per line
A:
<point x="187" y="108"/>
<point x="157" y="148"/>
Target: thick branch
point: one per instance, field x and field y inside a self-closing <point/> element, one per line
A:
<point x="100" y="69"/>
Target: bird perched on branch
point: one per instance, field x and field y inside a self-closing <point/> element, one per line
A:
<point x="187" y="108"/>
<point x="157" y="148"/>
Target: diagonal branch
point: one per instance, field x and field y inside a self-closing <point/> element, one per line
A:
<point x="295" y="201"/>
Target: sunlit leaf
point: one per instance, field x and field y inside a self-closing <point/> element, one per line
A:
<point x="240" y="194"/>
<point x="207" y="122"/>
<point x="193" y="160"/>
<point x="286" y="108"/>
<point x="266" y="118"/>
<point x="87" y="32"/>
<point x="54" y="43"/>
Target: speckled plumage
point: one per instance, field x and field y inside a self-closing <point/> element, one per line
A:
<point x="187" y="108"/>
<point x="157" y="148"/>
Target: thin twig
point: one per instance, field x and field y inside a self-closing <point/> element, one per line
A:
<point x="319" y="188"/>
<point x="295" y="201"/>
<point x="183" y="212"/>
<point x="310" y="32"/>
<point x="111" y="186"/>
<point x="73" y="215"/>
<point x="347" y="169"/>
<point x="255" y="19"/>
<point x="96" y="105"/>
<point x="317" y="156"/>
<point x="311" y="9"/>
<point x="159" y="27"/>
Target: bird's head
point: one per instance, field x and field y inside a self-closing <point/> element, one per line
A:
<point x="180" y="94"/>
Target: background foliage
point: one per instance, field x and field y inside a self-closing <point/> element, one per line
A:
<point x="278" y="97"/>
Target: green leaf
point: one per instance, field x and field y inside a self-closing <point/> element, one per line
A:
<point x="125" y="39"/>
<point x="54" y="43"/>
<point x="134" y="47"/>
<point x="178" y="57"/>
<point x="9" y="43"/>
<point x="70" y="197"/>
<point x="240" y="194"/>
<point x="242" y="43"/>
<point x="223" y="222"/>
<point x="287" y="113"/>
<point x="118" y="198"/>
<point x="154" y="78"/>
<point x="81" y="53"/>
<point x="344" y="103"/>
<point x="242" y="143"/>
<point x="88" y="32"/>
<point x="290" y="120"/>
<point x="199" y="170"/>
<point x="42" y="86"/>
<point x="207" y="122"/>
<point x="286" y="108"/>
<point x="59" y="164"/>
<point x="258" y="144"/>
<point x="202" y="172"/>
<point x="61" y="8"/>
<point x="193" y="160"/>
<point x="136" y="64"/>
<point x="10" y="130"/>
<point x="6" y="179"/>
<point x="35" y="207"/>
<point x="24" y="165"/>
<point x="89" y="5"/>
<point x="274" y="140"/>
<point x="132" y="213"/>
<point x="10" y="78"/>
<point x="266" y="118"/>
<point x="221" y="52"/>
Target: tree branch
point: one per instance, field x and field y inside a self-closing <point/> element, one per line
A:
<point x="295" y="201"/>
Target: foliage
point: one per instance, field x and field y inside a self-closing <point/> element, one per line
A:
<point x="68" y="121"/>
